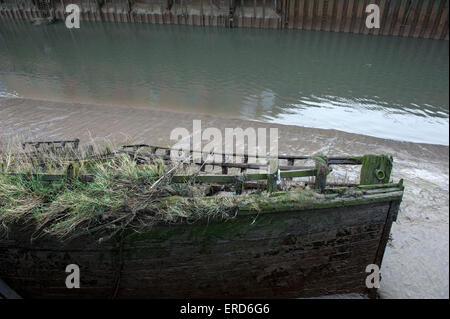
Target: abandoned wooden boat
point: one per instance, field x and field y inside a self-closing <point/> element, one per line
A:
<point x="305" y="241"/>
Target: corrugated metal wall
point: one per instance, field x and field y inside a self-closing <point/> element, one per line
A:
<point x="410" y="18"/>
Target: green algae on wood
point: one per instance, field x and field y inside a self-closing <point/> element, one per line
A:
<point x="376" y="169"/>
<point x="302" y="199"/>
<point x="322" y="171"/>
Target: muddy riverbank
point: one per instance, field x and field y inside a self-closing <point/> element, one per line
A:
<point x="415" y="264"/>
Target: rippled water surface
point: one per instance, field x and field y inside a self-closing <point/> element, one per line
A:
<point x="381" y="86"/>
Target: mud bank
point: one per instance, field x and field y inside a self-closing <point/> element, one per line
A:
<point x="416" y="262"/>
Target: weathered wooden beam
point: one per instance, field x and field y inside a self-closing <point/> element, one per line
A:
<point x="63" y="143"/>
<point x="356" y="160"/>
<point x="239" y="185"/>
<point x="204" y="178"/>
<point x="224" y="168"/>
<point x="298" y="173"/>
<point x="376" y="169"/>
<point x="380" y="186"/>
<point x="72" y="171"/>
<point x="332" y="160"/>
<point x="321" y="172"/>
<point x="272" y="175"/>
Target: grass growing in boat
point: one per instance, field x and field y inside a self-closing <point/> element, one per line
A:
<point x="123" y="194"/>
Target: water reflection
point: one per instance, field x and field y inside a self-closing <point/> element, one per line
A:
<point x="381" y="86"/>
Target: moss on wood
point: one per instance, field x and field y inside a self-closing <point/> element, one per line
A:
<point x="376" y="169"/>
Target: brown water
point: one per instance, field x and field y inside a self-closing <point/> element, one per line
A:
<point x="387" y="87"/>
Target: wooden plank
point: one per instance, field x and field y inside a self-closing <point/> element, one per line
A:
<point x="319" y="15"/>
<point x="420" y="17"/>
<point x="321" y="173"/>
<point x="398" y="185"/>
<point x="291" y="13"/>
<point x="399" y="19"/>
<point x="360" y="17"/>
<point x="298" y="173"/>
<point x="349" y="17"/>
<point x="330" y="16"/>
<point x="382" y="6"/>
<point x="384" y="14"/>
<point x="309" y="7"/>
<point x="205" y="179"/>
<point x="224" y="168"/>
<point x="391" y="217"/>
<point x="444" y="35"/>
<point x="376" y="169"/>
<point x="410" y="18"/>
<point x="36" y="144"/>
<point x="256" y="176"/>
<point x="350" y="159"/>
<point x="254" y="14"/>
<point x="339" y="13"/>
<point x="331" y="160"/>
<point x="394" y="7"/>
<point x="432" y="19"/>
<point x="272" y="175"/>
<point x="284" y="9"/>
<point x="424" y="17"/>
<point x="249" y="177"/>
<point x="381" y="190"/>
<point x="301" y="14"/>
<point x="442" y="21"/>
<point x="239" y="186"/>
<point x="345" y="15"/>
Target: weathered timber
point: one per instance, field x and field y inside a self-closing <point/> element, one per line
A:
<point x="74" y="143"/>
<point x="321" y="172"/>
<point x="335" y="160"/>
<point x="376" y="169"/>
<point x="272" y="175"/>
<point x="282" y="250"/>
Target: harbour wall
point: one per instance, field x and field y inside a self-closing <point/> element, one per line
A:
<point x="407" y="18"/>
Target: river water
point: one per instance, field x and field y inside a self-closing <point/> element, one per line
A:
<point x="395" y="88"/>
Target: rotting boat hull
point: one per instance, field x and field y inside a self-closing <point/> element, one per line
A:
<point x="304" y="253"/>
